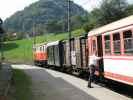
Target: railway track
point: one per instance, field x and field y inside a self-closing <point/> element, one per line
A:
<point x="120" y="88"/>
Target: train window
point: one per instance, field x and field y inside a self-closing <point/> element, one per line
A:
<point x="128" y="42"/>
<point x="44" y="48"/>
<point x="72" y="45"/>
<point x="56" y="53"/>
<point x="83" y="41"/>
<point x="94" y="45"/>
<point x="34" y="49"/>
<point x="37" y="49"/>
<point x="107" y="44"/>
<point x="40" y="48"/>
<point x="116" y="42"/>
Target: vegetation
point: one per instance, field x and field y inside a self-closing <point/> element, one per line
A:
<point x="45" y="16"/>
<point x="50" y="16"/>
<point x="22" y="85"/>
<point x="109" y="11"/>
<point x="20" y="51"/>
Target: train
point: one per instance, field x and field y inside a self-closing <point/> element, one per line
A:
<point x="114" y="43"/>
<point x="40" y="54"/>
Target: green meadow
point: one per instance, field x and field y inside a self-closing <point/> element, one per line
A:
<point x="20" y="51"/>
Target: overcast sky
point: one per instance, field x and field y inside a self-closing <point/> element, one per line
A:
<point x="9" y="7"/>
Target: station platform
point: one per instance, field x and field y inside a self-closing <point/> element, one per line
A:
<point x="5" y="80"/>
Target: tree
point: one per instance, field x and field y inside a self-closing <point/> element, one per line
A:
<point x="90" y="23"/>
<point x="129" y="10"/>
<point x="41" y="13"/>
<point x="53" y="27"/>
<point x="112" y="10"/>
<point x="109" y="11"/>
<point x="77" y="22"/>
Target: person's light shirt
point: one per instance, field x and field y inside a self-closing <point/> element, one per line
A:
<point x="93" y="60"/>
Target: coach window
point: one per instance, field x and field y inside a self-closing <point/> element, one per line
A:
<point x="40" y="48"/>
<point x="128" y="42"/>
<point x="72" y="45"/>
<point x="94" y="45"/>
<point x="44" y="48"/>
<point x="37" y="49"/>
<point x="116" y="42"/>
<point x="34" y="48"/>
<point x="107" y="44"/>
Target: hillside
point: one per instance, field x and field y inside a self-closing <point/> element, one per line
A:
<point x="46" y="16"/>
<point x="20" y="51"/>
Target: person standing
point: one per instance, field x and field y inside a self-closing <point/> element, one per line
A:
<point x="93" y="62"/>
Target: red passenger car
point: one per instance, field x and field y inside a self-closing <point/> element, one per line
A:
<point x="40" y="54"/>
<point x="114" y="43"/>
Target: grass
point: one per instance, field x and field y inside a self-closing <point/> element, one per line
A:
<point x="22" y="84"/>
<point x="20" y="51"/>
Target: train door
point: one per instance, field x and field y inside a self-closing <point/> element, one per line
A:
<point x="100" y="54"/>
<point x="93" y="48"/>
<point x="72" y="50"/>
<point x="64" y="53"/>
<point x="96" y="44"/>
<point x="84" y="52"/>
<point x="78" y="53"/>
<point x="68" y="55"/>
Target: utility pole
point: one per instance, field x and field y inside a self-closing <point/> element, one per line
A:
<point x="34" y="34"/>
<point x="69" y="30"/>
<point x="45" y="35"/>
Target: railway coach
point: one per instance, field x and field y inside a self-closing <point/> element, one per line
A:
<point x="75" y="55"/>
<point x="40" y="54"/>
<point x="69" y="59"/>
<point x="54" y="52"/>
<point x="114" y="43"/>
<point x="81" y="54"/>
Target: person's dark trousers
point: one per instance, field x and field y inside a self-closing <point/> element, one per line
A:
<point x="91" y="75"/>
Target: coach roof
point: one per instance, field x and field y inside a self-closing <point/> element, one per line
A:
<point x="53" y="43"/>
<point x="40" y="44"/>
<point x="112" y="26"/>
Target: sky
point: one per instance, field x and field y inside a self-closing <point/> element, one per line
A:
<point x="9" y="7"/>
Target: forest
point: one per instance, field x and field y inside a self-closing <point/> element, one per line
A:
<point x="50" y="16"/>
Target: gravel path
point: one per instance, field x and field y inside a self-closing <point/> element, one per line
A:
<point x="51" y="85"/>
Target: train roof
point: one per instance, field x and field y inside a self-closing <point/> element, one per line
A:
<point x="53" y="43"/>
<point x="112" y="26"/>
<point x="40" y="44"/>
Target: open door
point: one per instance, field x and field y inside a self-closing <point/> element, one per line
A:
<point x="96" y="44"/>
<point x="100" y="54"/>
